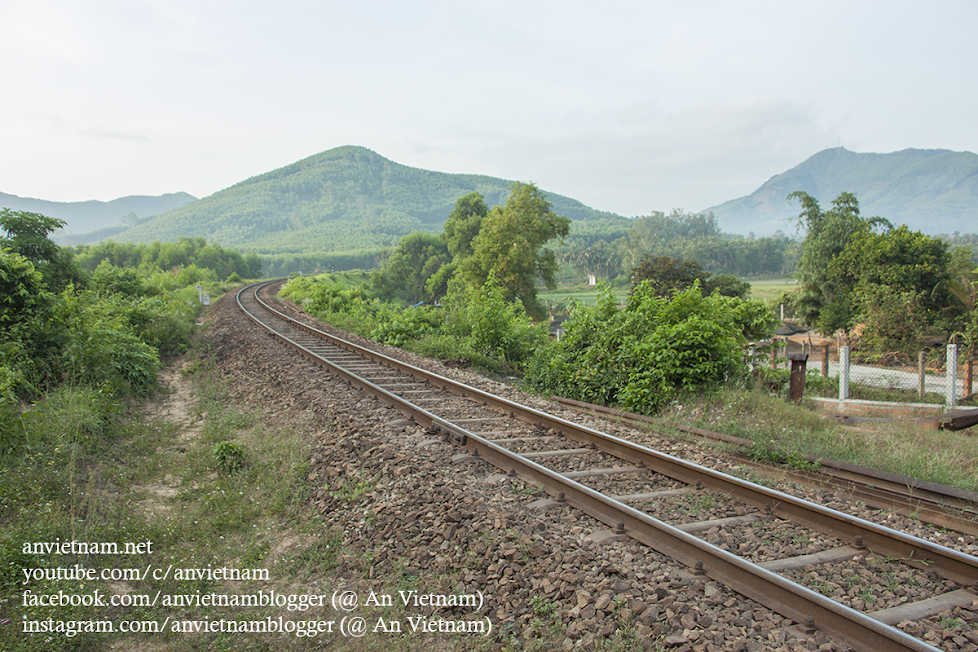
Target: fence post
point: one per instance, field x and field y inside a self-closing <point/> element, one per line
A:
<point x="843" y="373"/>
<point x="951" y="368"/>
<point x="825" y="361"/>
<point x="969" y="377"/>
<point x="921" y="370"/>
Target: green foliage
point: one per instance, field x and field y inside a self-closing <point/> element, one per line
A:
<point x="511" y="244"/>
<point x="666" y="275"/>
<point x="418" y="256"/>
<point x="22" y="290"/>
<point x="896" y="282"/>
<point x="464" y="224"/>
<point x="109" y="279"/>
<point x="478" y="326"/>
<point x="684" y="236"/>
<point x="229" y="457"/>
<point x="498" y="327"/>
<point x="27" y="235"/>
<point x="353" y="488"/>
<point x="790" y="458"/>
<point x="650" y="352"/>
<point x="109" y="337"/>
<point x="825" y="299"/>
<point x="10" y="425"/>
<point x="210" y="262"/>
<point x="728" y="285"/>
<point x="895" y="319"/>
<point x="410" y="324"/>
<point x="100" y="347"/>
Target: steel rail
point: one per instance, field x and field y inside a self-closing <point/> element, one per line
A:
<point x="956" y="566"/>
<point x="939" y="505"/>
<point x="803" y="605"/>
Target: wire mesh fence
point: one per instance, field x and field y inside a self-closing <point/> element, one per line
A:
<point x="939" y="375"/>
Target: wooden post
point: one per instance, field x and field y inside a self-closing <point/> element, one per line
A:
<point x="796" y="382"/>
<point x="825" y="361"/>
<point x="921" y="368"/>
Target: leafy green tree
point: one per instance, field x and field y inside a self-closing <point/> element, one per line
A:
<point x="21" y="289"/>
<point x="512" y="244"/>
<point x="824" y="299"/>
<point x="27" y="235"/>
<point x="896" y="283"/>
<point x="728" y="285"/>
<point x="418" y="256"/>
<point x="665" y="274"/>
<point x="464" y="224"/>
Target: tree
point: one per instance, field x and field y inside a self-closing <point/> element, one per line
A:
<point x="27" y="235"/>
<point x="666" y="274"/>
<point x="511" y="242"/>
<point x="464" y="224"/>
<point x="895" y="282"/>
<point x="418" y="256"/>
<point x="824" y="299"/>
<point x="21" y="290"/>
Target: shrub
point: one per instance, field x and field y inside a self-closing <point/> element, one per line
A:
<point x="495" y="326"/>
<point x="229" y="456"/>
<point x="648" y="353"/>
<point x="409" y="324"/>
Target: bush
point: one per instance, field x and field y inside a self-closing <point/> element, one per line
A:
<point x="101" y="348"/>
<point x="109" y="279"/>
<point x="230" y="457"/>
<point x="495" y="326"/>
<point x="657" y="347"/>
<point x="409" y="324"/>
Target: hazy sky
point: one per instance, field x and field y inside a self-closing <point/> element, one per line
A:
<point x="626" y="106"/>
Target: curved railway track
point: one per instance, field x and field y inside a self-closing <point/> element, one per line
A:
<point x="620" y="483"/>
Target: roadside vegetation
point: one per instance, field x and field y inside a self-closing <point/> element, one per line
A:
<point x="79" y="354"/>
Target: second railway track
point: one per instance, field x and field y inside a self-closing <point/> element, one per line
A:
<point x="623" y="484"/>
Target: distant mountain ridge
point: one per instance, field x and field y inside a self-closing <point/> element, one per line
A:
<point x="83" y="216"/>
<point x="352" y="200"/>
<point x="342" y="200"/>
<point x="929" y="190"/>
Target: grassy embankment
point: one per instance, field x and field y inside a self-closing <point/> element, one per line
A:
<point x="198" y="482"/>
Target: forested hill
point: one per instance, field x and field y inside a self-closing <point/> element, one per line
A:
<point x="82" y="216"/>
<point x="347" y="199"/>
<point x="930" y="190"/>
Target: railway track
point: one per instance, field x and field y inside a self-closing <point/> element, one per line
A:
<point x="622" y="484"/>
<point x="939" y="505"/>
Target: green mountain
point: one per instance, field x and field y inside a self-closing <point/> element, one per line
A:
<point x="930" y="190"/>
<point x="82" y="216"/>
<point x="347" y="199"/>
